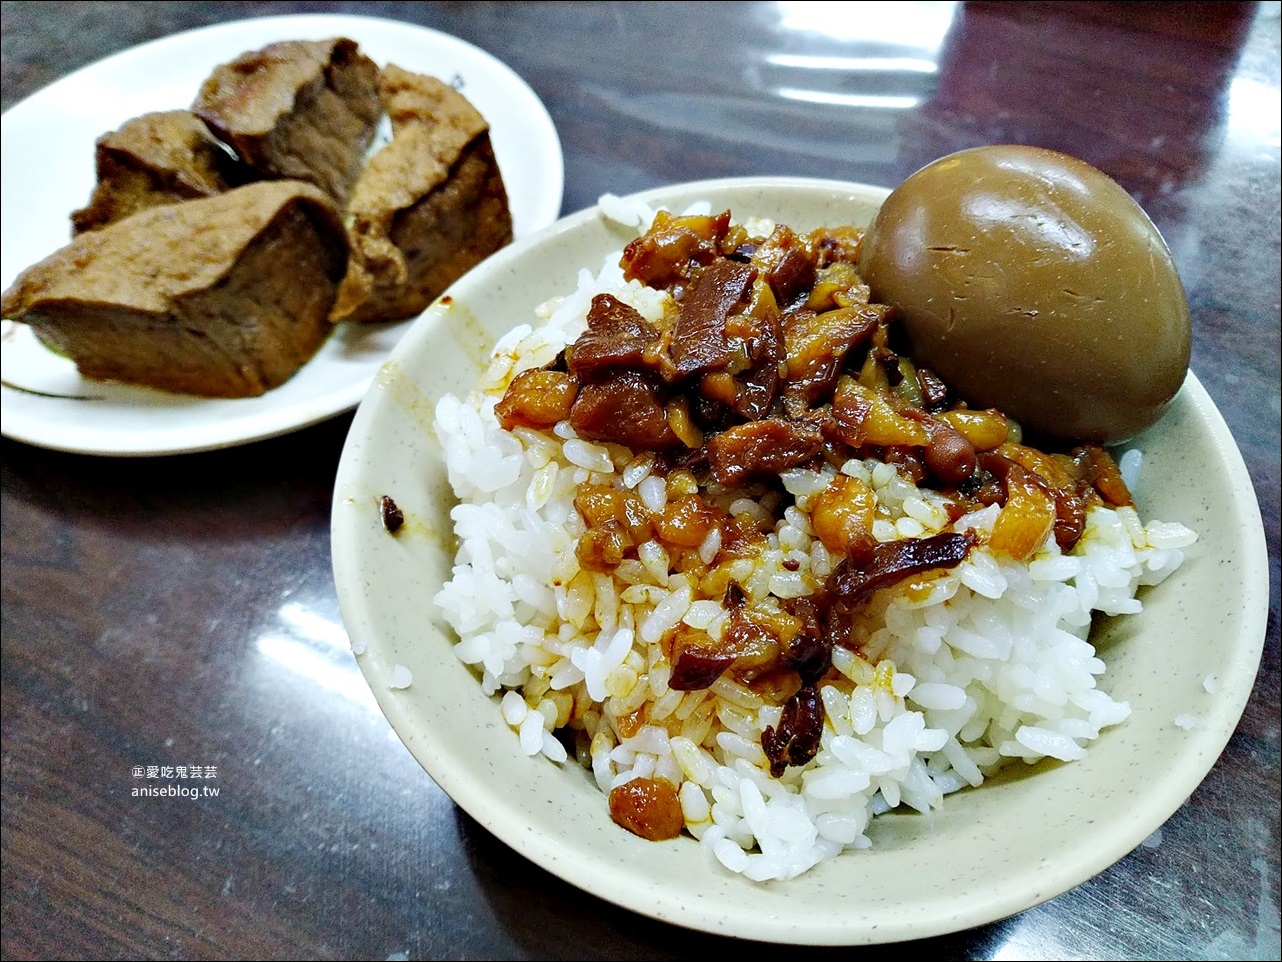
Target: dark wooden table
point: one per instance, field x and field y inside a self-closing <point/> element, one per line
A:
<point x="139" y="596"/>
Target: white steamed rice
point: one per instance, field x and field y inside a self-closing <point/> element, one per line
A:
<point x="958" y="673"/>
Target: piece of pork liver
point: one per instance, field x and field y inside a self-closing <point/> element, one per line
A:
<point x="222" y="297"/>
<point x="297" y="109"/>
<point x="158" y="158"/>
<point x="430" y="205"/>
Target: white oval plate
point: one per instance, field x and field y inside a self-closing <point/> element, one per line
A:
<point x="988" y="853"/>
<point x="47" y="170"/>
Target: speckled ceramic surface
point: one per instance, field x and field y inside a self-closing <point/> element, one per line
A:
<point x="990" y="852"/>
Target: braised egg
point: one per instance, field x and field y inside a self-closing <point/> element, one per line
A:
<point x="1033" y="283"/>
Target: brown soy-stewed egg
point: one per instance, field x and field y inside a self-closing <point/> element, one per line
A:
<point x="1033" y="283"/>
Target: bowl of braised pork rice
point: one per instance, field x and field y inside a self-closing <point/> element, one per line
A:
<point x="678" y="574"/>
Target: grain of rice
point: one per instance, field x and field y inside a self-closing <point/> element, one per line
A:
<point x="710" y="546"/>
<point x="653" y="491"/>
<point x="655" y="559"/>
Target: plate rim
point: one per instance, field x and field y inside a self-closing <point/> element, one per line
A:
<point x="1120" y="835"/>
<point x="27" y="426"/>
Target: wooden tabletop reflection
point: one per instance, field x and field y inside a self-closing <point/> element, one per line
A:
<point x="181" y="612"/>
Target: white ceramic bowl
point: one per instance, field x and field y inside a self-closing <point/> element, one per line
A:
<point x="989" y="852"/>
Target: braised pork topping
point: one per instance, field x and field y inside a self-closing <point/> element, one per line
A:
<point x="772" y="357"/>
<point x="648" y="807"/>
<point x="795" y="740"/>
<point x="617" y="337"/>
<point x="854" y="581"/>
